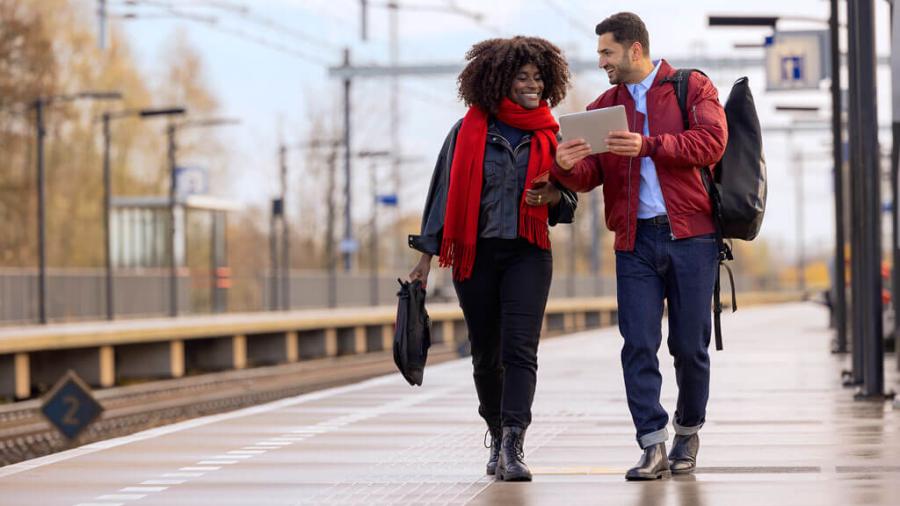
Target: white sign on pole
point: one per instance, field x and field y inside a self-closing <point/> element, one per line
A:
<point x="797" y="60"/>
<point x="191" y="181"/>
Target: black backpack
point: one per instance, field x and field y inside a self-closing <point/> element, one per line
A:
<point x="737" y="189"/>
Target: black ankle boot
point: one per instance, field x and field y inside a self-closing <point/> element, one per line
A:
<point x="652" y="466"/>
<point x="511" y="466"/>
<point x="496" y="436"/>
<point x="683" y="457"/>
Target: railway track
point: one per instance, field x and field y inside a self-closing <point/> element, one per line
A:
<point x="26" y="434"/>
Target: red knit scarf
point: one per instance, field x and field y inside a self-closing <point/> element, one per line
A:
<point x="466" y="172"/>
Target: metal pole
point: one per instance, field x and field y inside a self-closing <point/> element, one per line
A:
<point x="394" y="48"/>
<point x="273" y="255"/>
<point x="595" y="243"/>
<point x="213" y="261"/>
<point x="573" y="246"/>
<point x="173" y="260"/>
<point x="285" y="238"/>
<point x="854" y="177"/>
<point x="895" y="174"/>
<point x="373" y="238"/>
<point x="42" y="225"/>
<point x="330" y="259"/>
<point x="799" y="202"/>
<point x="839" y="303"/>
<point x="223" y="292"/>
<point x="107" y="211"/>
<point x="364" y="19"/>
<point x="863" y="31"/>
<point x="101" y="17"/>
<point x="347" y="243"/>
<point x="895" y="227"/>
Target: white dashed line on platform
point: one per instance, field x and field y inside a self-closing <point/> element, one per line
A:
<point x="142" y="489"/>
<point x="163" y="482"/>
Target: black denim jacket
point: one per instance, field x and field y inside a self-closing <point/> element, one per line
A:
<point x="505" y="170"/>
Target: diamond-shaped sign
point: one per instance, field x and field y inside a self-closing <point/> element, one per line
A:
<point x="70" y="406"/>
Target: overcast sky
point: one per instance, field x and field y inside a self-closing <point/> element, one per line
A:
<point x="267" y="62"/>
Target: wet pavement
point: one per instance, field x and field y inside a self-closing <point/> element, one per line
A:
<point x="781" y="431"/>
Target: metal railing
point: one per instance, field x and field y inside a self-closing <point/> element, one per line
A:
<point x="80" y="294"/>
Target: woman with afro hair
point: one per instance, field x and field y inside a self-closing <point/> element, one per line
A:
<point x="487" y="215"/>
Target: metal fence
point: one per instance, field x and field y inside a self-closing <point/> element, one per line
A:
<point x="80" y="294"/>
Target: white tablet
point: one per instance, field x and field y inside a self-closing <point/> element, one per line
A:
<point x="593" y="126"/>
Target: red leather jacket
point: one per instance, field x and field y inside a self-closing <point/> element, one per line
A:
<point x="677" y="154"/>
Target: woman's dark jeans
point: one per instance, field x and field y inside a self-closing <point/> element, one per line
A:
<point x="503" y="303"/>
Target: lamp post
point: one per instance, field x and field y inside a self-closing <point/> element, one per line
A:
<point x="861" y="22"/>
<point x="40" y="105"/>
<point x="284" y="281"/>
<point x="373" y="223"/>
<point x="107" y="188"/>
<point x="171" y="132"/>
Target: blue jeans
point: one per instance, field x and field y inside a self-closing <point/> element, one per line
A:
<point x="682" y="273"/>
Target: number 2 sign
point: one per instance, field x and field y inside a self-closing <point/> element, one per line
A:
<point x="70" y="406"/>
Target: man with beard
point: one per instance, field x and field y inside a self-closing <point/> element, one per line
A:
<point x="666" y="249"/>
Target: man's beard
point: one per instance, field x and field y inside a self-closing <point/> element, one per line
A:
<point x="620" y="73"/>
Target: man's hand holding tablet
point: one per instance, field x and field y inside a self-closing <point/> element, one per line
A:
<point x="597" y="131"/>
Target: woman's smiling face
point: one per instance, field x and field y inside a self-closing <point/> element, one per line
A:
<point x="527" y="87"/>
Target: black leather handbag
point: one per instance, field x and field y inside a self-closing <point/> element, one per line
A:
<point x="412" y="332"/>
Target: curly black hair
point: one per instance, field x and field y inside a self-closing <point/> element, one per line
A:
<point x="494" y="63"/>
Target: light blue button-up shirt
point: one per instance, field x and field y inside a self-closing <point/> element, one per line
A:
<point x="650" y="195"/>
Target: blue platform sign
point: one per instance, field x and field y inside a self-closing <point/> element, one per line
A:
<point x="389" y="199"/>
<point x="70" y="406"/>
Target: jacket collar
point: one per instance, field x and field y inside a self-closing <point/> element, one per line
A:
<point x="665" y="70"/>
<point x="648" y="81"/>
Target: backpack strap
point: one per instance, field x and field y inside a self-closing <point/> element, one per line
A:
<point x="679" y="81"/>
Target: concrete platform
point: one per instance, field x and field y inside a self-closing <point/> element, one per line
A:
<point x="781" y="431"/>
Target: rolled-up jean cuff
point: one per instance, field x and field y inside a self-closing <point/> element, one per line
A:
<point x="653" y="438"/>
<point x="681" y="430"/>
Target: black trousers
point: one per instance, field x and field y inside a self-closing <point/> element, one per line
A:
<point x="503" y="303"/>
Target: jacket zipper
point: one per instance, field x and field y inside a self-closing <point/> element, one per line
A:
<point x="515" y="151"/>
<point x="525" y="140"/>
<point x="628" y="207"/>
<point x="696" y="122"/>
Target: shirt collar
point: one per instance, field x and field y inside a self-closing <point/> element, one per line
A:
<point x="647" y="82"/>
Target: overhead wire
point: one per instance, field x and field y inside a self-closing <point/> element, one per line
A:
<point x="213" y="24"/>
<point x="247" y="14"/>
<point x="564" y="13"/>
